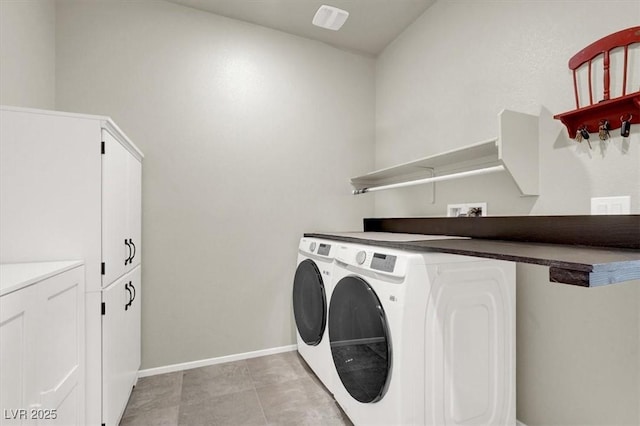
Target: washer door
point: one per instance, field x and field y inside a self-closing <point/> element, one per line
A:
<point x="309" y="302"/>
<point x="359" y="336"/>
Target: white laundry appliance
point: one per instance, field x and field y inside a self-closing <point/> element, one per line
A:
<point x="312" y="286"/>
<point x="422" y="338"/>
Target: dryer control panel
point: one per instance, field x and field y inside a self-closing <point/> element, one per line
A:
<point x="383" y="262"/>
<point x="377" y="260"/>
<point x="324" y="249"/>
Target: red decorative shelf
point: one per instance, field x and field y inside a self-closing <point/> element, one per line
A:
<point x="626" y="106"/>
<point x="611" y="110"/>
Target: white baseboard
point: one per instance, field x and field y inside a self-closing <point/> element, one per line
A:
<point x="519" y="423"/>
<point x="213" y="361"/>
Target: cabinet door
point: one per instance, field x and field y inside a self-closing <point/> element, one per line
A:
<point x="134" y="322"/>
<point x="116" y="249"/>
<point x="60" y="349"/>
<point x="42" y="352"/>
<point x="134" y="211"/>
<point x="120" y="344"/>
<point x="17" y="342"/>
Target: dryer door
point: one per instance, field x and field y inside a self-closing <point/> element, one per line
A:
<point x="359" y="336"/>
<point x="309" y="302"/>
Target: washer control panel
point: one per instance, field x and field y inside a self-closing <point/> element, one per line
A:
<point x="383" y="262"/>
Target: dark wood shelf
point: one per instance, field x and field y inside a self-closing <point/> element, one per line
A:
<point x="587" y="251"/>
<point x="582" y="266"/>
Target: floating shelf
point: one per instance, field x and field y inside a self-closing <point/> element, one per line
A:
<point x="611" y="110"/>
<point x="585" y="250"/>
<point x="515" y="150"/>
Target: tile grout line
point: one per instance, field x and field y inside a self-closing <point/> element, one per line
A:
<point x="255" y="390"/>
<point x="131" y="413"/>
<point x="180" y="398"/>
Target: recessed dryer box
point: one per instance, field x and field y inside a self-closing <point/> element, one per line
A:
<point x="467" y="210"/>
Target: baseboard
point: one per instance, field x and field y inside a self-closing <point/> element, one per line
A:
<point x="213" y="361"/>
<point x="519" y="423"/>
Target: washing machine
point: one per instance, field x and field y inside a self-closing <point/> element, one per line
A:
<point x="312" y="286"/>
<point x="422" y="338"/>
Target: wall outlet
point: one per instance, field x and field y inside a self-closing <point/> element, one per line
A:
<point x="611" y="205"/>
<point x="467" y="210"/>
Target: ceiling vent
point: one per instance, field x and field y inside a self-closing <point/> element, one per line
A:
<point x="330" y="17"/>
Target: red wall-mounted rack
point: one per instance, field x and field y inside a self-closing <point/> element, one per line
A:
<point x="614" y="110"/>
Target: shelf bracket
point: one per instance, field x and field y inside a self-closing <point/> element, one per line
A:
<point x="433" y="184"/>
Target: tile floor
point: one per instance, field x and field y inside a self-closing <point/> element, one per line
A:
<point x="271" y="390"/>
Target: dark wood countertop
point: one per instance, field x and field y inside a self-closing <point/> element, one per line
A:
<point x="568" y="264"/>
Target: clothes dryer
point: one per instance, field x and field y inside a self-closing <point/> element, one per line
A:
<point x="312" y="286"/>
<point x="422" y="338"/>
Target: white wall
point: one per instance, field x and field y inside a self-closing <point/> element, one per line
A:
<point x="249" y="136"/>
<point x="439" y="86"/>
<point x="27" y="53"/>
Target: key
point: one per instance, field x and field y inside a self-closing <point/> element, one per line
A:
<point x="585" y="135"/>
<point x="625" y="128"/>
<point x="603" y="130"/>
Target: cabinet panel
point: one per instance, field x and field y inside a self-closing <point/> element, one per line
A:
<point x="134" y="322"/>
<point x="120" y="344"/>
<point x="134" y="211"/>
<point x="115" y="200"/>
<point x="50" y="201"/>
<point x="42" y="349"/>
<point x="16" y="356"/>
<point x="61" y="346"/>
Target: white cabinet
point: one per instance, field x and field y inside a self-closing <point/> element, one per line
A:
<point x="121" y="279"/>
<point x="70" y="188"/>
<point x="120" y="342"/>
<point x="42" y="343"/>
<point x="121" y="209"/>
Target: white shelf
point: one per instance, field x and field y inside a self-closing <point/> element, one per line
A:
<point x="515" y="149"/>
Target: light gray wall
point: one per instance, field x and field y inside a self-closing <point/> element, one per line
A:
<point x="440" y="86"/>
<point x="27" y="53"/>
<point x="249" y="136"/>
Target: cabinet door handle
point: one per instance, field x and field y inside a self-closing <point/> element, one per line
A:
<point x="128" y="259"/>
<point x="134" y="292"/>
<point x="134" y="250"/>
<point x="126" y="287"/>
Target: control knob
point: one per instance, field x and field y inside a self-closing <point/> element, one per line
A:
<point x="361" y="256"/>
<point x="312" y="246"/>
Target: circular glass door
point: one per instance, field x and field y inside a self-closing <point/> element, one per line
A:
<point x="359" y="336"/>
<point x="309" y="302"/>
